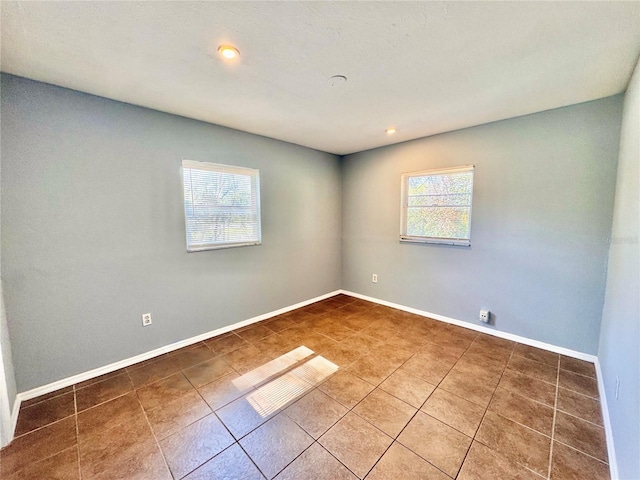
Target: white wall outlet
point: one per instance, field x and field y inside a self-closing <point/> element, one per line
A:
<point x="617" y="387"/>
<point x="374" y="278"/>
<point x="146" y="319"/>
<point x="485" y="316"/>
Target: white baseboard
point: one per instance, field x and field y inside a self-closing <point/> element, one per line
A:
<point x="6" y="430"/>
<point x="96" y="372"/>
<point x="613" y="464"/>
<point x="52" y="387"/>
<point x="611" y="451"/>
<point x="479" y="328"/>
<point x="14" y="415"/>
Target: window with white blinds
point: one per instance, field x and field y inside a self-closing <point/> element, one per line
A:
<point x="436" y="206"/>
<point x="221" y="205"/>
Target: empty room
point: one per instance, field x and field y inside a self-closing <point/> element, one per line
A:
<point x="319" y="240"/>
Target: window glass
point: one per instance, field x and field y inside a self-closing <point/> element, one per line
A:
<point x="436" y="206"/>
<point x="221" y="205"/>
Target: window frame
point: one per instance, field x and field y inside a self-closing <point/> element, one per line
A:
<point x="404" y="182"/>
<point x="254" y="175"/>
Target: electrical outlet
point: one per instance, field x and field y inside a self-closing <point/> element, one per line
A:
<point x="485" y="316"/>
<point x="617" y="387"/>
<point x="146" y="319"/>
<point x="374" y="278"/>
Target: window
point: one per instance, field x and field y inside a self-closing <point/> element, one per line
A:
<point x="436" y="206"/>
<point x="221" y="206"/>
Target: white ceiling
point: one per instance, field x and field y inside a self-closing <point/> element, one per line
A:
<point x="424" y="67"/>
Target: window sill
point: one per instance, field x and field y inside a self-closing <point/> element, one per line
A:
<point x="202" y="248"/>
<point x="436" y="241"/>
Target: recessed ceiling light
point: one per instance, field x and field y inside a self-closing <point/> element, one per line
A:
<point x="337" y="80"/>
<point x="228" y="51"/>
<point x="391" y="131"/>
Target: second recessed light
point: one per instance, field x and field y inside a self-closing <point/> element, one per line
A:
<point x="391" y="130"/>
<point x="337" y="80"/>
<point x="228" y="51"/>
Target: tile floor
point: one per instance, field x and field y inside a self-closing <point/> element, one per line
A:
<point x="384" y="395"/>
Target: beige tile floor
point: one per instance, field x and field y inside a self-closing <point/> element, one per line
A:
<point x="377" y="393"/>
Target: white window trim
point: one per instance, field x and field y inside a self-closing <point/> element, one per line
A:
<point x="218" y="167"/>
<point x="403" y="208"/>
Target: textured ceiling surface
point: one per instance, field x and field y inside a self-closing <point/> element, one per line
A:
<point x="423" y="67"/>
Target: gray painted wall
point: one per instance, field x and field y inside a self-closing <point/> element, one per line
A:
<point x="542" y="209"/>
<point x="619" y="351"/>
<point x="93" y="230"/>
<point x="7" y="375"/>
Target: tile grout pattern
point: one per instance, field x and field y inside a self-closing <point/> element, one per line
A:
<point x="553" y="427"/>
<point x="413" y="398"/>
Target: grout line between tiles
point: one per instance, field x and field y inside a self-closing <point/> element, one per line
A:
<point x="521" y="424"/>
<point x="350" y="410"/>
<point x="512" y="392"/>
<point x="293" y="459"/>
<point x="42" y="427"/>
<point x="584" y="453"/>
<point x="106" y="401"/>
<point x="395" y="439"/>
<point x="553" y="424"/>
<point x="529" y="376"/>
<point x="137" y="387"/>
<point x="580" y="418"/>
<point x="579" y="374"/>
<point x="166" y="464"/>
<point x="245" y="452"/>
<point x="75" y="407"/>
<point x="236" y="441"/>
<point x="24" y="407"/>
<point x="27" y="407"/>
<point x="486" y="409"/>
<point x="339" y="461"/>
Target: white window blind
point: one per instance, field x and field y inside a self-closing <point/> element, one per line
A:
<point x="221" y="205"/>
<point x="436" y="206"/>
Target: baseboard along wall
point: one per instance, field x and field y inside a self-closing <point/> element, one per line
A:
<point x="613" y="464"/>
<point x="81" y="377"/>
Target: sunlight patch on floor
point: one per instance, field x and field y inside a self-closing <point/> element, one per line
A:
<point x="286" y="388"/>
